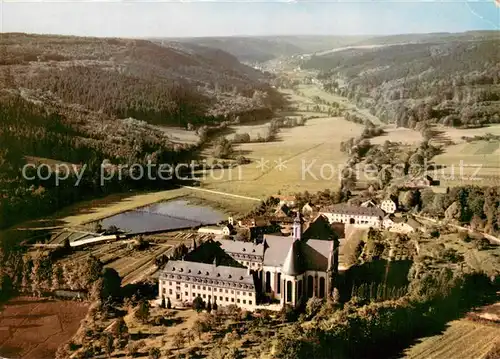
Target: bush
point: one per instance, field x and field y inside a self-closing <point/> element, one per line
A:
<point x="241" y="160"/>
<point x="142" y="312"/>
<point x="198" y="304"/>
<point x="313" y="306"/>
<point x="241" y="138"/>
<point x="481" y="244"/>
<point x="288" y="314"/>
<point x="133" y="348"/>
<point x="434" y="233"/>
<point x="464" y="236"/>
<point x="246" y="315"/>
<point x="154" y="353"/>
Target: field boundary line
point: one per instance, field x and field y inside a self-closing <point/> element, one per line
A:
<point x="288" y="159"/>
<point x="223" y="193"/>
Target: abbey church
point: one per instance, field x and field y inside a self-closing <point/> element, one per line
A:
<point x="288" y="269"/>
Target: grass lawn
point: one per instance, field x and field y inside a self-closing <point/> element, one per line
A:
<point x="456" y="134"/>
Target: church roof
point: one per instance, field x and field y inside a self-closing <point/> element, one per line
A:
<point x="291" y="265"/>
<point x="241" y="248"/>
<point x="312" y="254"/>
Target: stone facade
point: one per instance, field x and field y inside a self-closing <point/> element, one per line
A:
<point x="289" y="269"/>
<point x="183" y="281"/>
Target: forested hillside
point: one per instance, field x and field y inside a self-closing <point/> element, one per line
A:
<point x="265" y="48"/>
<point x="87" y="100"/>
<point x="453" y="79"/>
<point x="167" y="84"/>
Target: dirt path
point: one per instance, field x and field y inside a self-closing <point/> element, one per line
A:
<point x="486" y="235"/>
<point x="223" y="193"/>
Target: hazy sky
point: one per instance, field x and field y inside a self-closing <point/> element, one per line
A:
<point x="175" y="19"/>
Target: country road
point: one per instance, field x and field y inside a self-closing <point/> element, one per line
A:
<point x="486" y="235"/>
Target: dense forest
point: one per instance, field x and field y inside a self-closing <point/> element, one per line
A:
<point x="163" y="83"/>
<point x="455" y="83"/>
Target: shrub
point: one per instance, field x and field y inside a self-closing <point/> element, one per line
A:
<point x="133" y="349"/>
<point x="246" y="315"/>
<point x="142" y="311"/>
<point x="198" y="304"/>
<point x="313" y="306"/>
<point x="154" y="353"/>
<point x="464" y="236"/>
<point x="241" y="138"/>
<point x="288" y="314"/>
<point x="241" y="160"/>
<point x="481" y="244"/>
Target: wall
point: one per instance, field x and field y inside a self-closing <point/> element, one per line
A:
<point x="181" y="292"/>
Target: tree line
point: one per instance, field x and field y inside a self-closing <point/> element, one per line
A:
<point x="455" y="83"/>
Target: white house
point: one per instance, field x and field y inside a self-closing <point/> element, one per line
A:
<point x="307" y="210"/>
<point x="220" y="231"/>
<point x="388" y="206"/>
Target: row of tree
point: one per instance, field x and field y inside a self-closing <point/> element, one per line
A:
<point x="38" y="273"/>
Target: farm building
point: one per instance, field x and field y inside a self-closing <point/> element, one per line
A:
<point x="222" y="231"/>
<point x="421" y="182"/>
<point x="360" y="216"/>
<point x="282" y="211"/>
<point x="290" y="269"/>
<point x="400" y="224"/>
<point x="288" y="200"/>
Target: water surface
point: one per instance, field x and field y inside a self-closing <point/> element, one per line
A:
<point x="163" y="216"/>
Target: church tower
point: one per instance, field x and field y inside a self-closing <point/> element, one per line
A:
<point x="297" y="227"/>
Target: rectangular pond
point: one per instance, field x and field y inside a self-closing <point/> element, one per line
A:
<point x="164" y="216"/>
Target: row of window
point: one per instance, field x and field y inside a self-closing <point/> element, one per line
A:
<point x="231" y="300"/>
<point x="178" y="288"/>
<point x="250" y="264"/>
<point x="352" y="215"/>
